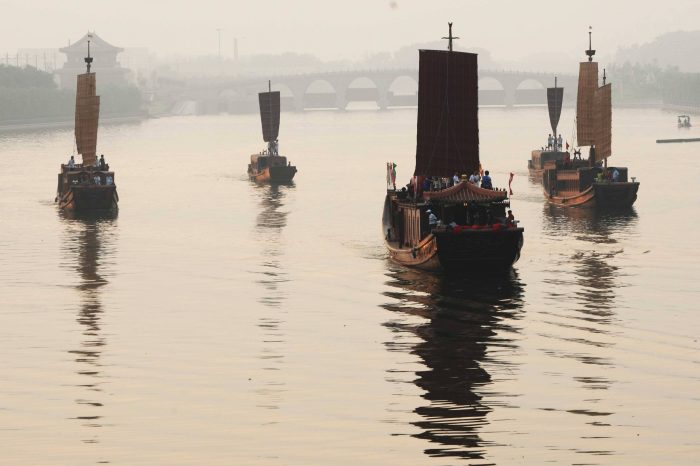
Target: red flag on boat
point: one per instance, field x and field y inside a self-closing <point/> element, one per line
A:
<point x="510" y="190"/>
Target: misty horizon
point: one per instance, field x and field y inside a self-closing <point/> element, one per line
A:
<point x="351" y="32"/>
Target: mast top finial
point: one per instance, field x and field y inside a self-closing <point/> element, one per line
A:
<point x="450" y="37"/>
<point x="88" y="59"/>
<point x="590" y="52"/>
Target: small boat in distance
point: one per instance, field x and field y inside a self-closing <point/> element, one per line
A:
<point x="90" y="185"/>
<point x="454" y="226"/>
<point x="590" y="182"/>
<point x="538" y="157"/>
<point x="684" y="121"/>
<point x="269" y="165"/>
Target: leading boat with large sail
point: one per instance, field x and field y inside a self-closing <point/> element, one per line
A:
<point x="269" y="165"/>
<point x="473" y="234"/>
<point x="88" y="186"/>
<point x="590" y="182"/>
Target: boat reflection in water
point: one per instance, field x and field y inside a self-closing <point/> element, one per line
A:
<point x="591" y="240"/>
<point x="582" y="329"/>
<point x="467" y="329"/>
<point x="89" y="242"/>
<point x="271" y="220"/>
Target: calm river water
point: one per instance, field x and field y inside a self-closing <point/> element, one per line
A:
<point x="216" y="322"/>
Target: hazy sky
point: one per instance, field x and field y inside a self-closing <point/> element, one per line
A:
<point x="511" y="30"/>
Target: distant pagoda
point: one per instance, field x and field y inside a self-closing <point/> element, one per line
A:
<point x="105" y="62"/>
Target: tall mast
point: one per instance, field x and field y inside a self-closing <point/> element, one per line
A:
<point x="88" y="59"/>
<point x="590" y="52"/>
<point x="271" y="144"/>
<point x="450" y="37"/>
<point x="555" y="126"/>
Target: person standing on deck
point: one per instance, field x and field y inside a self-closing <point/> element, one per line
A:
<point x="559" y="142"/>
<point x="486" y="181"/>
<point x="510" y="220"/>
<point x="615" y="175"/>
<point x="455" y="179"/>
<point x="475" y="178"/>
<point x="71" y="163"/>
<point x="550" y="141"/>
<point x="432" y="219"/>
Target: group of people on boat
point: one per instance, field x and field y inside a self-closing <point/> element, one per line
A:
<point x="684" y="121"/>
<point x="609" y="175"/>
<point x="437" y="183"/>
<point x="477" y="215"/>
<point x="273" y="148"/>
<point x="554" y="142"/>
<point x="100" y="163"/>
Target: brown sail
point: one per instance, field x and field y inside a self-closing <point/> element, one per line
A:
<point x="448" y="121"/>
<point x="270" y="114"/>
<point x="585" y="105"/>
<point x="603" y="122"/>
<point x="87" y="113"/>
<point x="555" y="97"/>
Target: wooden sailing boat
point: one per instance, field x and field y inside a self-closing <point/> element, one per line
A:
<point x="539" y="157"/>
<point x="474" y="234"/>
<point x="269" y="165"/>
<point x="90" y="185"/>
<point x="590" y="182"/>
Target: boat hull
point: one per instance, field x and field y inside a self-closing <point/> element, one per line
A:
<point x="283" y="174"/>
<point x="465" y="253"/>
<point x="599" y="195"/>
<point x="479" y="250"/>
<point x="89" y="198"/>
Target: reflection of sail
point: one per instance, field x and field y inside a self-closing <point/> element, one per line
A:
<point x="593" y="269"/>
<point x="583" y="285"/>
<point x="463" y="320"/>
<point x="89" y="243"/>
<point x="268" y="233"/>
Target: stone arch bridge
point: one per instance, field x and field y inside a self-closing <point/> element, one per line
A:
<point x="337" y="90"/>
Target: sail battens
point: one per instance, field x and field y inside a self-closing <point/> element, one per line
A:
<point x="555" y="97"/>
<point x="603" y="122"/>
<point x="270" y="114"/>
<point x="585" y="105"/>
<point x="448" y="123"/>
<point x="87" y="113"/>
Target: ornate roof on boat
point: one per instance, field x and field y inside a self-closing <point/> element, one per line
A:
<point x="466" y="192"/>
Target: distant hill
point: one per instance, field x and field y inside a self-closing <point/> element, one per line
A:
<point x="679" y="49"/>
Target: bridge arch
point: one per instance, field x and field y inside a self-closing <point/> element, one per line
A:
<point x="530" y="91"/>
<point x="285" y="91"/>
<point x="530" y="83"/>
<point x="403" y="85"/>
<point x="360" y="92"/>
<point x="491" y="91"/>
<point x="320" y="93"/>
<point x="320" y="86"/>
<point x="402" y="91"/>
<point x="490" y="84"/>
<point x="287" y="96"/>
